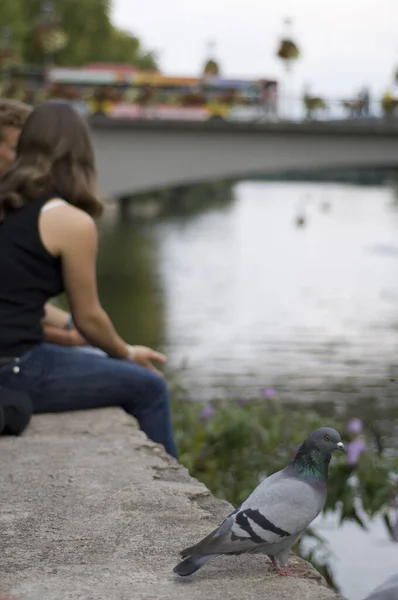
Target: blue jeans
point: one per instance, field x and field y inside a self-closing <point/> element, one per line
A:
<point x="63" y="378"/>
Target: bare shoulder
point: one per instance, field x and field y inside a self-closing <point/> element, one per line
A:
<point x="65" y="225"/>
<point x="66" y="215"/>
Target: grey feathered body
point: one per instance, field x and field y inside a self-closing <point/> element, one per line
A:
<point x="289" y="503"/>
<point x="269" y="521"/>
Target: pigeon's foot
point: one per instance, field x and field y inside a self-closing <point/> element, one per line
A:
<point x="283" y="571"/>
<point x="286" y="572"/>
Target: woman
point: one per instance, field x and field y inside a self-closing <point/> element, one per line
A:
<point x="48" y="244"/>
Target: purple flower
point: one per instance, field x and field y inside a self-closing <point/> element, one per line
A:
<point x="354" y="426"/>
<point x="268" y="392"/>
<point x="207" y="412"/>
<point x="354" y="451"/>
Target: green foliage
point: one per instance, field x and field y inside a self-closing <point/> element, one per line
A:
<point x="288" y="50"/>
<point x="229" y="445"/>
<point x="11" y="19"/>
<point x="91" y="35"/>
<point x="211" y="68"/>
<point x="389" y="105"/>
<point x="125" y="48"/>
<point x="313" y="104"/>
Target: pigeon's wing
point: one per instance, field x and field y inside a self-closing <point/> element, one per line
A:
<point x="277" y="511"/>
<point x="223" y="529"/>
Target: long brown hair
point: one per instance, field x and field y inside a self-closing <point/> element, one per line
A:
<point x="54" y="156"/>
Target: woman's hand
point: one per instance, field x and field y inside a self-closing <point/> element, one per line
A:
<point x="76" y="339"/>
<point x="144" y="356"/>
<point x="63" y="337"/>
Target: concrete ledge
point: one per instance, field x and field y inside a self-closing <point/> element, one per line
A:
<point x="91" y="510"/>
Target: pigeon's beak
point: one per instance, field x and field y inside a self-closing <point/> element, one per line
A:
<point x="340" y="446"/>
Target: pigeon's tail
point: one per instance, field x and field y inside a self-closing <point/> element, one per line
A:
<point x="191" y="564"/>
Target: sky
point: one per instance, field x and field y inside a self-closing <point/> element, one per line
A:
<point x="345" y="44"/>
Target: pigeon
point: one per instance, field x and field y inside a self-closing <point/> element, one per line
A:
<point x="276" y="513"/>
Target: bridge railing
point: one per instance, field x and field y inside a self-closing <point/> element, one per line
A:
<point x="287" y="109"/>
<point x="282" y="108"/>
<point x="306" y="108"/>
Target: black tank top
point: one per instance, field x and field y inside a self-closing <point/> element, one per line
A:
<point x="29" y="277"/>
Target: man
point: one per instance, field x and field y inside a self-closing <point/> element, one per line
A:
<point x="13" y="115"/>
<point x="57" y="323"/>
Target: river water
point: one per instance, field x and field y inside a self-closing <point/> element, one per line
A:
<point x="290" y="285"/>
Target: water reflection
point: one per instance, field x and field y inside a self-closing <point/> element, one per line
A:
<point x="361" y="560"/>
<point x="244" y="297"/>
<point x="251" y="299"/>
<point x="129" y="283"/>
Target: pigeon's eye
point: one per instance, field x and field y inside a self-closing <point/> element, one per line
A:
<point x="327" y="438"/>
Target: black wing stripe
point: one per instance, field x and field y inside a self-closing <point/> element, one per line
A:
<point x="261" y="521"/>
<point x="243" y="522"/>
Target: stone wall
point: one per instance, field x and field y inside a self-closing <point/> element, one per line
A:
<point x="91" y="510"/>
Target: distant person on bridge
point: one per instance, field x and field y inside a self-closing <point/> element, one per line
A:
<point x="48" y="244"/>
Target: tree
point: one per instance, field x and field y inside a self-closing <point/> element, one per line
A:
<point x="125" y="48"/>
<point x="12" y="21"/>
<point x="90" y="33"/>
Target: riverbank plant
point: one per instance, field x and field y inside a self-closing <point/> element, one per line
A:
<point x="231" y="443"/>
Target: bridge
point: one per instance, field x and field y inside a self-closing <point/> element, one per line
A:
<point x="139" y="156"/>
